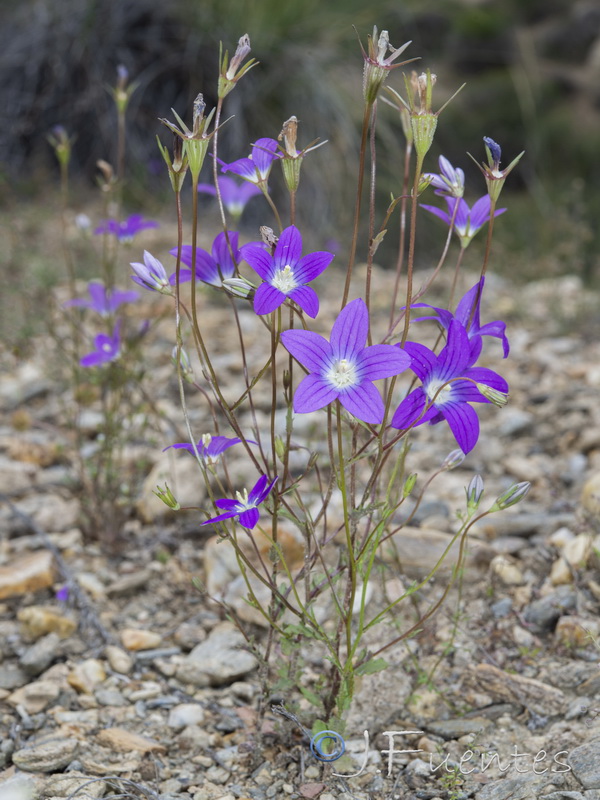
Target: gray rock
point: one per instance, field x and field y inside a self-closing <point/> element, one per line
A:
<point x="12" y="676"/>
<point x="545" y="611"/>
<point x="502" y="608"/>
<point x="49" y="756"/>
<point x="219" y="660"/>
<point x="585" y="763"/>
<point x="529" y="787"/>
<point x="40" y="655"/>
<point x="185" y="714"/>
<point x="455" y="728"/>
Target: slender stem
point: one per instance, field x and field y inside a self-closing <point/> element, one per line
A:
<point x="371" y="212"/>
<point x="265" y="191"/>
<point x="411" y="248"/>
<point x="357" y="205"/>
<point x="402" y="240"/>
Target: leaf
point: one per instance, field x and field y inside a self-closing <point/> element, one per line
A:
<point x="311" y="696"/>
<point x="377" y="241"/>
<point x="369" y="667"/>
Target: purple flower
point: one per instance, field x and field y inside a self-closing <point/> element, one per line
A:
<point x="257" y="166"/>
<point x="468" y="220"/>
<point x="104" y="301"/>
<point x="107" y="349"/>
<point x="209" y="268"/>
<point x="62" y="594"/>
<point x="286" y="273"/>
<point x="450" y="182"/>
<point x="209" y="447"/>
<point x="245" y="505"/>
<point x="344" y="369"/>
<point x="467" y="310"/>
<point x="448" y="386"/>
<point x="125" y="231"/>
<point x="233" y="194"/>
<point x="151" y="274"/>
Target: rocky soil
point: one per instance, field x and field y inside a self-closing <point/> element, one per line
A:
<point x="131" y="683"/>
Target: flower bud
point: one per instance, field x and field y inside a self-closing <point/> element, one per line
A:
<point x="474" y="493"/>
<point x="166" y="495"/>
<point x="511" y="496"/>
<point x="499" y="399"/>
<point x="187" y="372"/>
<point x="239" y="287"/>
<point x="409" y="485"/>
<point x="280" y="448"/>
<point x="453" y="459"/>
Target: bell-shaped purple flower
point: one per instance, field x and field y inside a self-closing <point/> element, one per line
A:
<point x="234" y="195"/>
<point x="104" y="301"/>
<point x="244" y="507"/>
<point x="257" y="166"/>
<point x="213" y="267"/>
<point x="468" y="314"/>
<point x="344" y="368"/>
<point x="126" y="230"/>
<point x="108" y="348"/>
<point x="209" y="447"/>
<point x="448" y="386"/>
<point x="468" y="221"/>
<point x="286" y="273"/>
<point x="450" y="182"/>
<point x="151" y="274"/>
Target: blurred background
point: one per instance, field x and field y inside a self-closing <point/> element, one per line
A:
<point x="532" y="69"/>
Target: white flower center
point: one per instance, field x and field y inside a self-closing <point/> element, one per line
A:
<point x="284" y="280"/>
<point x="342" y="374"/>
<point x="439" y="388"/>
<point x="242" y="498"/>
<point x="107" y="347"/>
<point x="206" y="439"/>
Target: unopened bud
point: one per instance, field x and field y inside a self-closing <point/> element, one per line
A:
<point x="409" y="485"/>
<point x="287" y="379"/>
<point x="499" y="399"/>
<point x="268" y="236"/>
<point x="280" y="448"/>
<point x="453" y="459"/>
<point x="187" y="372"/>
<point x="166" y="495"/>
<point x="424" y="182"/>
<point x="511" y="496"/>
<point x="474" y="493"/>
<point x="239" y="287"/>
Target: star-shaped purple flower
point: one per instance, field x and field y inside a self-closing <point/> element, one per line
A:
<point x="468" y="220"/>
<point x="108" y="348"/>
<point x="450" y="182"/>
<point x="468" y="309"/>
<point x="151" y="274"/>
<point x="257" y="166"/>
<point x="211" y="267"/>
<point x="126" y="230"/>
<point x="343" y="368"/>
<point x="286" y="273"/>
<point x="234" y="195"/>
<point x="244" y="507"/>
<point x="209" y="447"/>
<point x="448" y="386"/>
<point x="104" y="301"/>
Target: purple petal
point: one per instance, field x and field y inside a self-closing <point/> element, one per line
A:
<point x="118" y="298"/>
<point x="249" y="518"/>
<point x="310" y="349"/>
<point x="182" y="446"/>
<point x="455" y="355"/>
<point x="465" y="307"/>
<point x="208" y="188"/>
<point x="350" y="330"/>
<point x="226" y="515"/>
<point x="423" y="360"/>
<point x="464" y="424"/>
<point x="288" y="249"/>
<point x="260" y="490"/>
<point x="462" y="215"/>
<point x="496" y="329"/>
<point x="258" y="258"/>
<point x="245" y="168"/>
<point x="312" y="265"/>
<point x="382" y="361"/>
<point x="222" y="254"/>
<point x="185" y="275"/>
<point x="263" y="154"/>
<point x="313" y="393"/>
<point x="443" y="315"/>
<point x="364" y="402"/>
<point x="93" y="359"/>
<point x="267" y="299"/>
<point x="410" y="410"/>
<point x="231" y="505"/>
<point x="307" y="299"/>
<point x="98" y="295"/>
<point x="437" y="211"/>
<point x="218" y="444"/>
<point x="488" y="377"/>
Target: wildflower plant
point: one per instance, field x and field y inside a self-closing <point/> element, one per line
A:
<point x="338" y="483"/>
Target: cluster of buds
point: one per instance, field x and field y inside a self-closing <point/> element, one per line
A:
<point x="291" y="157"/>
<point x="61" y="142"/>
<point x="123" y="90"/>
